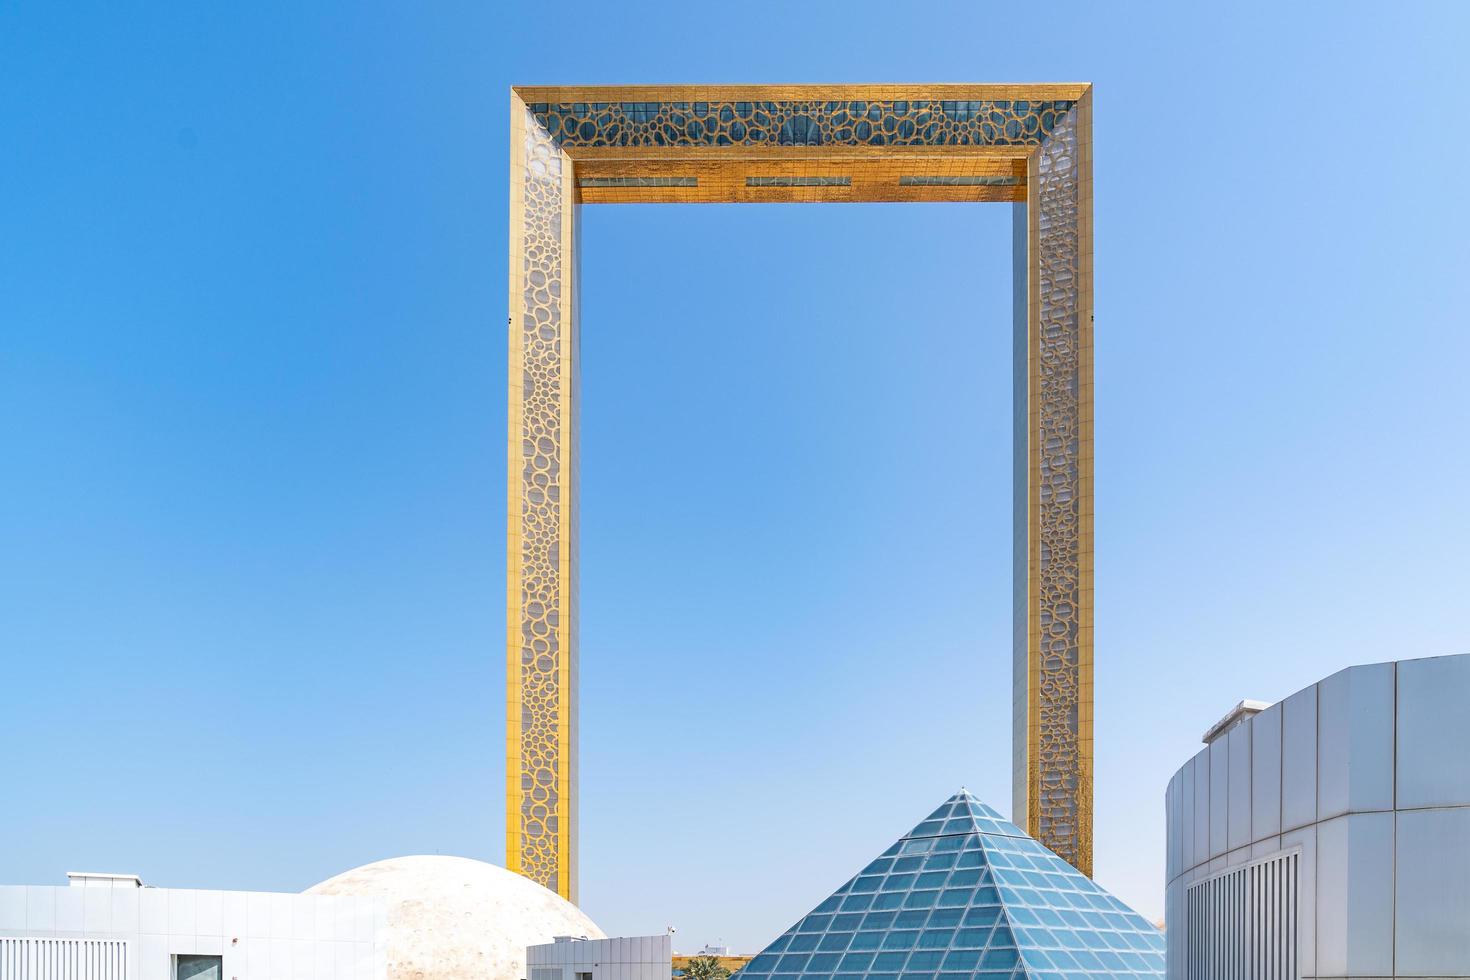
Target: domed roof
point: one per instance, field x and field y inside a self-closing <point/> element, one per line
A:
<point x="453" y="918"/>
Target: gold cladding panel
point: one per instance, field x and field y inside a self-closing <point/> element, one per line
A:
<point x="1059" y="405"/>
<point x="1066" y="91"/>
<point x="541" y="651"/>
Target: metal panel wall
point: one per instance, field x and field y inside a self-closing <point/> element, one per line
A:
<point x="1355" y="709"/>
<point x="1202" y="806"/>
<point x="1187" y="856"/>
<point x="1366" y="778"/>
<point x="1219" y="796"/>
<point x="1266" y="773"/>
<point x="1433" y="730"/>
<point x="1355" y="896"/>
<point x="1299" y="759"/>
<point x="1432" y="892"/>
<point x="1238" y="802"/>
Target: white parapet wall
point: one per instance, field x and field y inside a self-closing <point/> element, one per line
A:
<point x="108" y="927"/>
<point x="625" y="958"/>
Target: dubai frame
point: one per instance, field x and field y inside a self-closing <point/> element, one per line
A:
<point x="1025" y="144"/>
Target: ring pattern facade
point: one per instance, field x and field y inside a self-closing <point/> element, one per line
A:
<point x="886" y="122"/>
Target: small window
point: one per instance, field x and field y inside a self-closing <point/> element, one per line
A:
<point x="189" y="967"/>
<point x="584" y="976"/>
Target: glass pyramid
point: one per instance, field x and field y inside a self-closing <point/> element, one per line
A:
<point x="965" y="894"/>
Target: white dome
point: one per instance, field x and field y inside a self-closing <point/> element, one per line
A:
<point x="452" y="918"/>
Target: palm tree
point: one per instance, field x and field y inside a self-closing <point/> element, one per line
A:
<point x="705" y="968"/>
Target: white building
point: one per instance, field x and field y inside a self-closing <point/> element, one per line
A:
<point x="112" y="927"/>
<point x="408" y="918"/>
<point x="625" y="958"/>
<point x="1328" y="835"/>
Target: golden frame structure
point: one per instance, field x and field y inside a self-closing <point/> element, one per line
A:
<point x="1029" y="145"/>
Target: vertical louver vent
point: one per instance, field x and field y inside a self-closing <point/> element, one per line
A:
<point x="1242" y="924"/>
<point x="36" y="958"/>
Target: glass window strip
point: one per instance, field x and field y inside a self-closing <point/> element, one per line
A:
<point x="798" y="181"/>
<point x="958" y="180"/>
<point x="638" y="181"/>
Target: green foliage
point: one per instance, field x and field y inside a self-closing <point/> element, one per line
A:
<point x="705" y="968"/>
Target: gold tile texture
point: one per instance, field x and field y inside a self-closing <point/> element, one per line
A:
<point x="541" y="582"/>
<point x="1059" y="501"/>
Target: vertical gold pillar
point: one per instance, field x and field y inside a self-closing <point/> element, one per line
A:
<point x="541" y="608"/>
<point x="1053" y="752"/>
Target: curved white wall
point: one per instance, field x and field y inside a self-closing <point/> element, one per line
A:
<point x="1367" y="774"/>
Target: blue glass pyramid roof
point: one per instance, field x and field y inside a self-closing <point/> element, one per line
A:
<point x="965" y="894"/>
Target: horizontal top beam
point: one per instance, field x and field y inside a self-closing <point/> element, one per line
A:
<point x="727" y="143"/>
<point x="1064" y="91"/>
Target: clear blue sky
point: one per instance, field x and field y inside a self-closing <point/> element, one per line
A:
<point x="252" y="375"/>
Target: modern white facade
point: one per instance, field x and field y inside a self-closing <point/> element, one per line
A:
<point x="624" y="958"/>
<point x="110" y="927"/>
<point x="1328" y="835"/>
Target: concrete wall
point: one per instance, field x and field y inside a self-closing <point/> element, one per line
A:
<point x="1368" y="774"/>
<point x="260" y="935"/>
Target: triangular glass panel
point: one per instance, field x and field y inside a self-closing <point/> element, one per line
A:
<point x="965" y="894"/>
